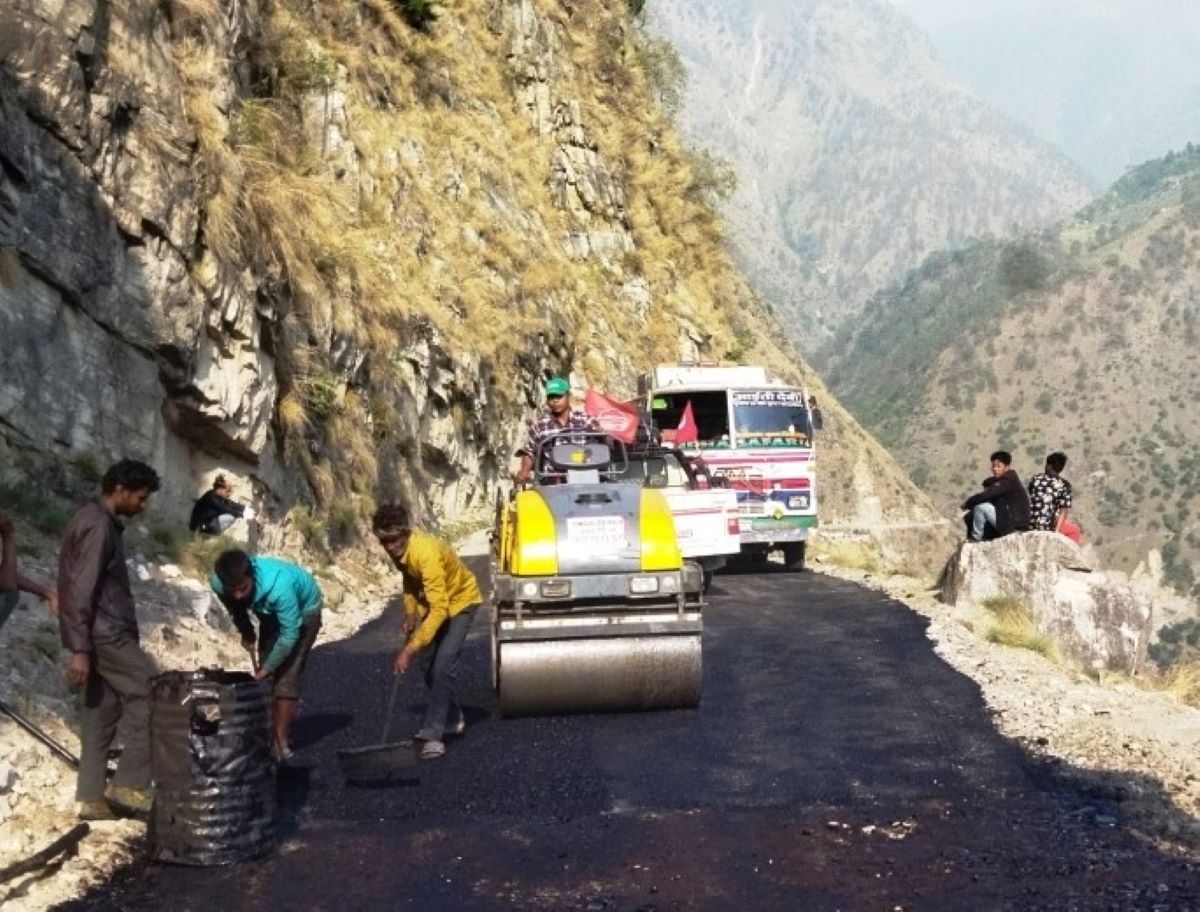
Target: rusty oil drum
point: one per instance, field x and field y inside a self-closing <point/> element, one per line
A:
<point x="214" y="780"/>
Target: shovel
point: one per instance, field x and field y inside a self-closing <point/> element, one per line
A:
<point x="378" y="762"/>
<point x="59" y="751"/>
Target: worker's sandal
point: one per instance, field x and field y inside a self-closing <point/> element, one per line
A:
<point x="432" y="750"/>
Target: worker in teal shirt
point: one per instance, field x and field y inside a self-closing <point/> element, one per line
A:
<point x="287" y="602"/>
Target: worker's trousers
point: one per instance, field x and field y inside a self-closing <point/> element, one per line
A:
<point x="442" y="672"/>
<point x="117" y="693"/>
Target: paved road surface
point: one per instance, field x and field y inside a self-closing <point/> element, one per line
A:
<point x="836" y="763"/>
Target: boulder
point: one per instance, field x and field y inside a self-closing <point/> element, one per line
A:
<point x="1098" y="619"/>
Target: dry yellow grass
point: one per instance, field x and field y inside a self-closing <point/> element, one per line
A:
<point x="1013" y="626"/>
<point x="852" y="554"/>
<point x="446" y="215"/>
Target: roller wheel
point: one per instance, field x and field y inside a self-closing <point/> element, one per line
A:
<point x="793" y="555"/>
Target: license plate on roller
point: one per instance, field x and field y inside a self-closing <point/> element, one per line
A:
<point x="604" y="532"/>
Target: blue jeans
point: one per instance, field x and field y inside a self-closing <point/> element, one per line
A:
<point x="441" y="673"/>
<point x="982" y="516"/>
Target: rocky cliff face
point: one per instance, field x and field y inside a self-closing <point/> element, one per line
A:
<point x="332" y="254"/>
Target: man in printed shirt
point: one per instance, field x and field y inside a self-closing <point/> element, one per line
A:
<point x="558" y="416"/>
<point x="440" y="598"/>
<point x="287" y="601"/>
<point x="98" y="625"/>
<point x="1050" y="495"/>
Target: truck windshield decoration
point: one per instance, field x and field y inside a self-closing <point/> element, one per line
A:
<point x="771" y="418"/>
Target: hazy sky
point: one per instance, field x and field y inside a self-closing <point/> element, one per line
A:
<point x="1111" y="82"/>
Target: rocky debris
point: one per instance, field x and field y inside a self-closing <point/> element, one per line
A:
<point x="183" y="626"/>
<point x="1134" y="752"/>
<point x="1096" y="618"/>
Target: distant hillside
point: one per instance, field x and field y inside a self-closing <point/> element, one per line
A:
<point x="1084" y="338"/>
<point x="856" y="154"/>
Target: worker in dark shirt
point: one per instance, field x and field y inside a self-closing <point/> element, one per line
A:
<point x="1003" y="504"/>
<point x="98" y="626"/>
<point x="214" y="511"/>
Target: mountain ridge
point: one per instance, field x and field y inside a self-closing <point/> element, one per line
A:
<point x="1081" y="338"/>
<point x="820" y="106"/>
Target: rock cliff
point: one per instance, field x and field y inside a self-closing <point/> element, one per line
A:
<point x="331" y="253"/>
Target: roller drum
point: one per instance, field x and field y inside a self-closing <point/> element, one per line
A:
<point x="600" y="674"/>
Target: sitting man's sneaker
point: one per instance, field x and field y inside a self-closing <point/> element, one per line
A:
<point x="95" y="810"/>
<point x="132" y="800"/>
<point x="431" y="750"/>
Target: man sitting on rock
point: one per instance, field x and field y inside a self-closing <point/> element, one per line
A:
<point x="1050" y="498"/>
<point x="1001" y="507"/>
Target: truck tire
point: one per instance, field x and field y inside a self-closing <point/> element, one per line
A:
<point x="793" y="555"/>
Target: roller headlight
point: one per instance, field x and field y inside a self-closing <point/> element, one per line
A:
<point x="798" y="502"/>
<point x="670" y="584"/>
<point x="643" y="585"/>
<point x="529" y="590"/>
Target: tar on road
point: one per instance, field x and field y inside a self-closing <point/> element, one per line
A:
<point x="835" y="763"/>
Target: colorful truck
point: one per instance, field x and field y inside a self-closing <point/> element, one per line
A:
<point x="753" y="431"/>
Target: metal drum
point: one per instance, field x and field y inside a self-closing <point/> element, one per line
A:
<point x="214" y="796"/>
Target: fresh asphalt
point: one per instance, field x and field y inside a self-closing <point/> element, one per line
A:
<point x="835" y="763"/>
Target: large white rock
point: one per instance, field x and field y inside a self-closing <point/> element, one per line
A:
<point x="1097" y="618"/>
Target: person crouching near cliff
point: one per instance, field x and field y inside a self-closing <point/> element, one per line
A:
<point x="287" y="602"/>
<point x="1003" y="504"/>
<point x="98" y="624"/>
<point x="215" y="510"/>
<point x="440" y="598"/>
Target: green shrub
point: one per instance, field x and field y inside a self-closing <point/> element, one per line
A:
<point x="343" y="516"/>
<point x="165" y="542"/>
<point x="420" y="14"/>
<point x="46" y="513"/>
<point x="1177" y="643"/>
<point x="665" y="71"/>
<point x="310" y="526"/>
<point x="199" y="553"/>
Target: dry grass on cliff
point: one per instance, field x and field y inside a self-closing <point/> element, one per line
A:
<point x="1182" y="680"/>
<point x="1012" y="625"/>
<point x="444" y="212"/>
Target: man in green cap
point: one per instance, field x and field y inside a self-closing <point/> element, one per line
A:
<point x="558" y="416"/>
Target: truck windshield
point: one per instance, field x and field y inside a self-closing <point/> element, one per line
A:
<point x="710" y="411"/>
<point x="771" y="418"/>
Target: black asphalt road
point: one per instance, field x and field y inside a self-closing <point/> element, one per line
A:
<point x="836" y="763"/>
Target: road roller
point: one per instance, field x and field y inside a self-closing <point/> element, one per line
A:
<point x="593" y="607"/>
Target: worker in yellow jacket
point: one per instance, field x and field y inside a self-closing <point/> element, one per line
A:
<point x="440" y="598"/>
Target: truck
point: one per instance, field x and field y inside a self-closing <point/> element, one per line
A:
<point x="754" y="434"/>
<point x="707" y="523"/>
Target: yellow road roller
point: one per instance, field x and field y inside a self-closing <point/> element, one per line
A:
<point x="593" y="607"/>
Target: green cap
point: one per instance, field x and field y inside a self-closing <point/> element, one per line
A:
<point x="557" y="386"/>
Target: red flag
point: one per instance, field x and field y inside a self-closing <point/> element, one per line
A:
<point x="615" y="418"/>
<point x="687" y="432"/>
